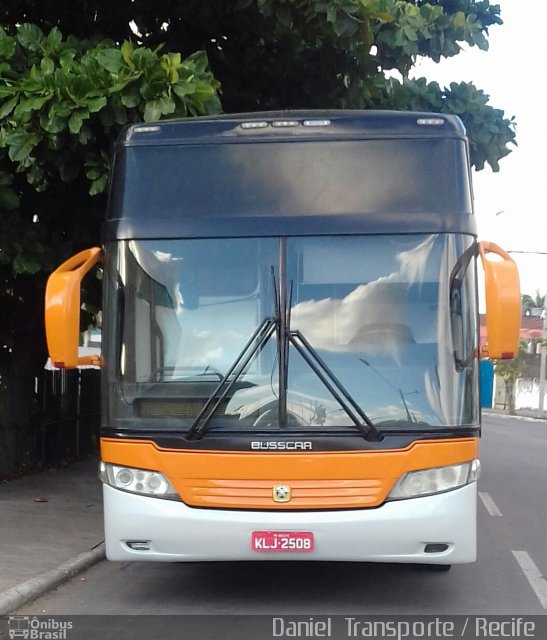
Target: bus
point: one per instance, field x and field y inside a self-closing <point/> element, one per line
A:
<point x="290" y="341"/>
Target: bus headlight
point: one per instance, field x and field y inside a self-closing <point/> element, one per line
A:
<point x="141" y="481"/>
<point x="426" y="482"/>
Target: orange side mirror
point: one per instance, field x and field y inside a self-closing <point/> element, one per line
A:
<point x="502" y="288"/>
<point x="62" y="309"/>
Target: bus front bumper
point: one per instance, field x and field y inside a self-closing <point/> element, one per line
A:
<point x="145" y="528"/>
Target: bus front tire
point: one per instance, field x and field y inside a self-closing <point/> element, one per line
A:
<point x="438" y="567"/>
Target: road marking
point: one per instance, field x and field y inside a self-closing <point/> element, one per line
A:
<point x="534" y="577"/>
<point x="489" y="504"/>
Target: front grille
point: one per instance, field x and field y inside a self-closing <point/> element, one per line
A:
<point x="306" y="494"/>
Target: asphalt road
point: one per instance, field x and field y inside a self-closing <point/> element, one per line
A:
<point x="507" y="579"/>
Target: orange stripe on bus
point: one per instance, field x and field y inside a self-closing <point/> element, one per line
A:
<point x="318" y="480"/>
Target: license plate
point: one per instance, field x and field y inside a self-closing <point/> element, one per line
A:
<point x="273" y="541"/>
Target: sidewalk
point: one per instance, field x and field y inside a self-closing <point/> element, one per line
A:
<point x="51" y="528"/>
<point x="523" y="414"/>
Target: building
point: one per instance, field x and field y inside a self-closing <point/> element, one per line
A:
<point x="527" y="386"/>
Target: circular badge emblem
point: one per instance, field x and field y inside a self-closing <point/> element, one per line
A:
<point x="281" y="493"/>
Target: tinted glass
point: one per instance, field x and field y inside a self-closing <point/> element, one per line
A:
<point x="296" y="178"/>
<point x="375" y="309"/>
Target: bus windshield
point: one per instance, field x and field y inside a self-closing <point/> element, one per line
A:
<point x="376" y="309"/>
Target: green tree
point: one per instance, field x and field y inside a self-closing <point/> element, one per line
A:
<point x="528" y="302"/>
<point x="538" y="300"/>
<point x="509" y="371"/>
<point x="63" y="102"/>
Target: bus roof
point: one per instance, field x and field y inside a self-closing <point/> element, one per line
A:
<point x="291" y="173"/>
<point x="279" y="125"/>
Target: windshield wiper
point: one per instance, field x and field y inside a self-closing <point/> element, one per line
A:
<point x="253" y="347"/>
<point x="280" y="324"/>
<point x="286" y="336"/>
<point x="283" y="313"/>
<point x="336" y="388"/>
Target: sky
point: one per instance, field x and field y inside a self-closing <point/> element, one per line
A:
<point x="511" y="205"/>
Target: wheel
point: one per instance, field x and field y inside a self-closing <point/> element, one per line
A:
<point x="438" y="567"/>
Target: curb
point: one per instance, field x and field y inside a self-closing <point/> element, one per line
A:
<point x="515" y="417"/>
<point x="31" y="589"/>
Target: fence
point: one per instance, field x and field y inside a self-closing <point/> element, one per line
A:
<point x="47" y="420"/>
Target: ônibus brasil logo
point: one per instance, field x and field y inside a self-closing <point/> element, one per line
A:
<point x="36" y="628"/>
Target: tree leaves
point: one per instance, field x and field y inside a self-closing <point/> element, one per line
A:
<point x="9" y="199"/>
<point x="20" y="144"/>
<point x="488" y="130"/>
<point x="7" y="45"/>
<point x="58" y="85"/>
<point x="112" y="60"/>
<point x="63" y="102"/>
<point x="30" y="37"/>
<point x="8" y="106"/>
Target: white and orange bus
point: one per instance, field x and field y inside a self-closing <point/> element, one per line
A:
<point x="290" y="354"/>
